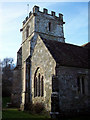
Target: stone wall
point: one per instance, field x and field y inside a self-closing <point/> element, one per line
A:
<point x="37" y="23"/>
<point x="42" y="21"/>
<point x="27" y="50"/>
<point x="42" y="59"/>
<point x="30" y="25"/>
<point x="69" y="98"/>
<point x="17" y="81"/>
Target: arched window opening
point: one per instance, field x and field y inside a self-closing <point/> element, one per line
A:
<point x="42" y="87"/>
<point x="39" y="84"/>
<point x="83" y="87"/>
<point x="78" y="84"/>
<point x="49" y="26"/>
<point x="35" y="86"/>
<point x="81" y="84"/>
<point x="27" y="32"/>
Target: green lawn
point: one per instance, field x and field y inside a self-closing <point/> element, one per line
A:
<point x="11" y="113"/>
<point x="5" y="100"/>
<point x="14" y="113"/>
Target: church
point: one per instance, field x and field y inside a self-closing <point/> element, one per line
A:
<point x="49" y="70"/>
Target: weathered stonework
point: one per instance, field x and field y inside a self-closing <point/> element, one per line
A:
<point x="42" y="58"/>
<point x="38" y="24"/>
<point x="69" y="98"/>
<point x="50" y="67"/>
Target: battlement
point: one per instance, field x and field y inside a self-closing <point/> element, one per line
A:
<point x="45" y="11"/>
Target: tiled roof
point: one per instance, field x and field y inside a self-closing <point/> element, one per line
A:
<point x="67" y="54"/>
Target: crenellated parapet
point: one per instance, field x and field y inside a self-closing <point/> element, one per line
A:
<point x="36" y="11"/>
<point x="47" y="25"/>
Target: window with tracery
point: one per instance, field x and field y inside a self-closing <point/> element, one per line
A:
<point x="38" y="84"/>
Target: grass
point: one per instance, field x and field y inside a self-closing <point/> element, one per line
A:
<point x="12" y="113"/>
<point x="5" y="100"/>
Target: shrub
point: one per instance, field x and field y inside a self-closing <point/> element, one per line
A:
<point x="35" y="108"/>
<point x="38" y="108"/>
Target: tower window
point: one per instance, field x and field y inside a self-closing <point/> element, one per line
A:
<point x="49" y="26"/>
<point x="27" y="32"/>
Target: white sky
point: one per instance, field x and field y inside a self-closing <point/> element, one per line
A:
<point x="13" y="13"/>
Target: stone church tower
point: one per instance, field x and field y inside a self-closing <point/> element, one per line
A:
<point x="49" y="70"/>
<point x="48" y="26"/>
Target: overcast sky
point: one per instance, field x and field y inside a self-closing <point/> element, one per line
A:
<point x="13" y="13"/>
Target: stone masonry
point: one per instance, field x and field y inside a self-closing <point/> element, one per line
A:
<point x="51" y="71"/>
<point x="38" y="23"/>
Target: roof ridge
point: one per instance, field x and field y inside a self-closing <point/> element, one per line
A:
<point x="46" y="40"/>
